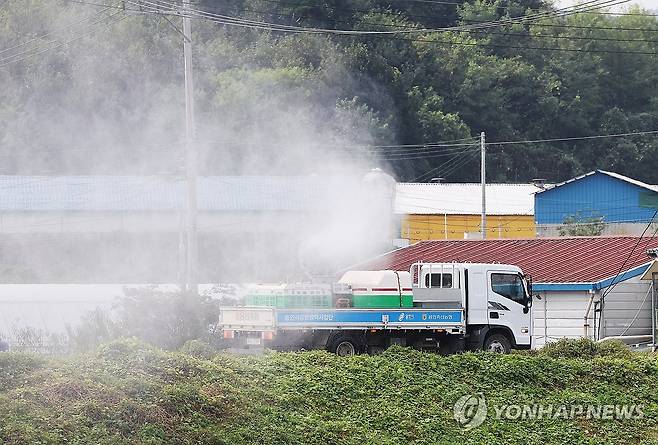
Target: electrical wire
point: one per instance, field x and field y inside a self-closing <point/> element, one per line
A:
<point x="577" y="138"/>
<point x="236" y="21"/>
<point x="475" y="31"/>
<point x="446" y="165"/>
<point x="380" y="34"/>
<point x="407" y="14"/>
<point x="639" y="309"/>
<point x="42" y="36"/>
<point x="533" y="48"/>
<point x="485" y="25"/>
<point x="416" y="156"/>
<point x="552" y="25"/>
<point x="630" y="254"/>
<point x="11" y="56"/>
<point x="41" y="50"/>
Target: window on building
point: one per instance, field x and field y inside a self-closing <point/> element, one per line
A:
<point x="439" y="280"/>
<point x="509" y="286"/>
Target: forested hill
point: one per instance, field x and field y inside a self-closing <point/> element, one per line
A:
<point x="88" y="89"/>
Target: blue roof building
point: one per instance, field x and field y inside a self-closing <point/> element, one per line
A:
<point x="610" y="197"/>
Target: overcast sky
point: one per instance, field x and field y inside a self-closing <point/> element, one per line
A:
<point x="648" y="4"/>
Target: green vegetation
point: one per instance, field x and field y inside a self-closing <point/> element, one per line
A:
<point x="127" y="392"/>
<point x="118" y="100"/>
<point x="579" y="225"/>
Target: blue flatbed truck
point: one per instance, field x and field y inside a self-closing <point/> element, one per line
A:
<point x="456" y="306"/>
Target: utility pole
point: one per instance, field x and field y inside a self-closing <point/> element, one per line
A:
<point x="483" y="179"/>
<point x="192" y="286"/>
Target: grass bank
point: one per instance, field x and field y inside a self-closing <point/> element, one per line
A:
<point x="130" y="393"/>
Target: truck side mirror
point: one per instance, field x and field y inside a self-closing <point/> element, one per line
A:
<point x="528" y="304"/>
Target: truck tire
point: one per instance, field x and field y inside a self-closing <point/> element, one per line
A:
<point x="344" y="346"/>
<point x="448" y="346"/>
<point x="498" y="343"/>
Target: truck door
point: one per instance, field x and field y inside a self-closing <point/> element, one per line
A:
<point x="507" y="304"/>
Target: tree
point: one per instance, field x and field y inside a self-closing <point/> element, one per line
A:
<point x="579" y="225"/>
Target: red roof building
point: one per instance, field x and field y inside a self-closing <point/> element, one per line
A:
<point x="579" y="263"/>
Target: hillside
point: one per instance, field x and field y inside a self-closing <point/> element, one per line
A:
<point x="130" y="393"/>
<point x="89" y="87"/>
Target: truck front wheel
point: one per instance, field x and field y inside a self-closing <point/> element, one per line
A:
<point x="497" y="343"/>
<point x="344" y="346"/>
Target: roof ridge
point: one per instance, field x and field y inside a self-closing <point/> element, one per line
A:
<point x="614" y="175"/>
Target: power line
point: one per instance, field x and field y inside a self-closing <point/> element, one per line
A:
<point x="41" y="49"/>
<point x="55" y="31"/>
<point x="630" y="254"/>
<point x="414" y="156"/>
<point x="406" y="14"/>
<point x="474" y="31"/>
<point x="381" y="34"/>
<point x="447" y="146"/>
<point x="171" y="8"/>
<point x="430" y="144"/>
<point x="418" y="149"/>
<point x="384" y="34"/>
<point x="578" y="138"/>
<point x="449" y="169"/>
<point x="433" y="2"/>
<point x="534" y="48"/>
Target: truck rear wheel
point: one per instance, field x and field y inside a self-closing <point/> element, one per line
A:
<point x="344" y="346"/>
<point x="497" y="343"/>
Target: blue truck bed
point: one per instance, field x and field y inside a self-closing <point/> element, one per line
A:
<point x="260" y="319"/>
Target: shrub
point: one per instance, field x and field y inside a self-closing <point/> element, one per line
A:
<point x="15" y="367"/>
<point x="613" y="348"/>
<point x="570" y="348"/>
<point x="164" y="319"/>
<point x="585" y="348"/>
<point x="198" y="349"/>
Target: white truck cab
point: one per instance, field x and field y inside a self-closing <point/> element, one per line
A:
<point x="496" y="299"/>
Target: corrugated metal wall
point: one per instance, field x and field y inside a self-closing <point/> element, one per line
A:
<point x="592" y="196"/>
<point x="560" y="314"/>
<point x="437" y="227"/>
<point x="627" y="309"/>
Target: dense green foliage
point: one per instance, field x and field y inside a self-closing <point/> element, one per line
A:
<point x="131" y="393"/>
<point x="112" y="101"/>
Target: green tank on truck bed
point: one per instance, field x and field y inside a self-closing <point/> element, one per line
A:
<point x="383" y="289"/>
<point x="289" y="296"/>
